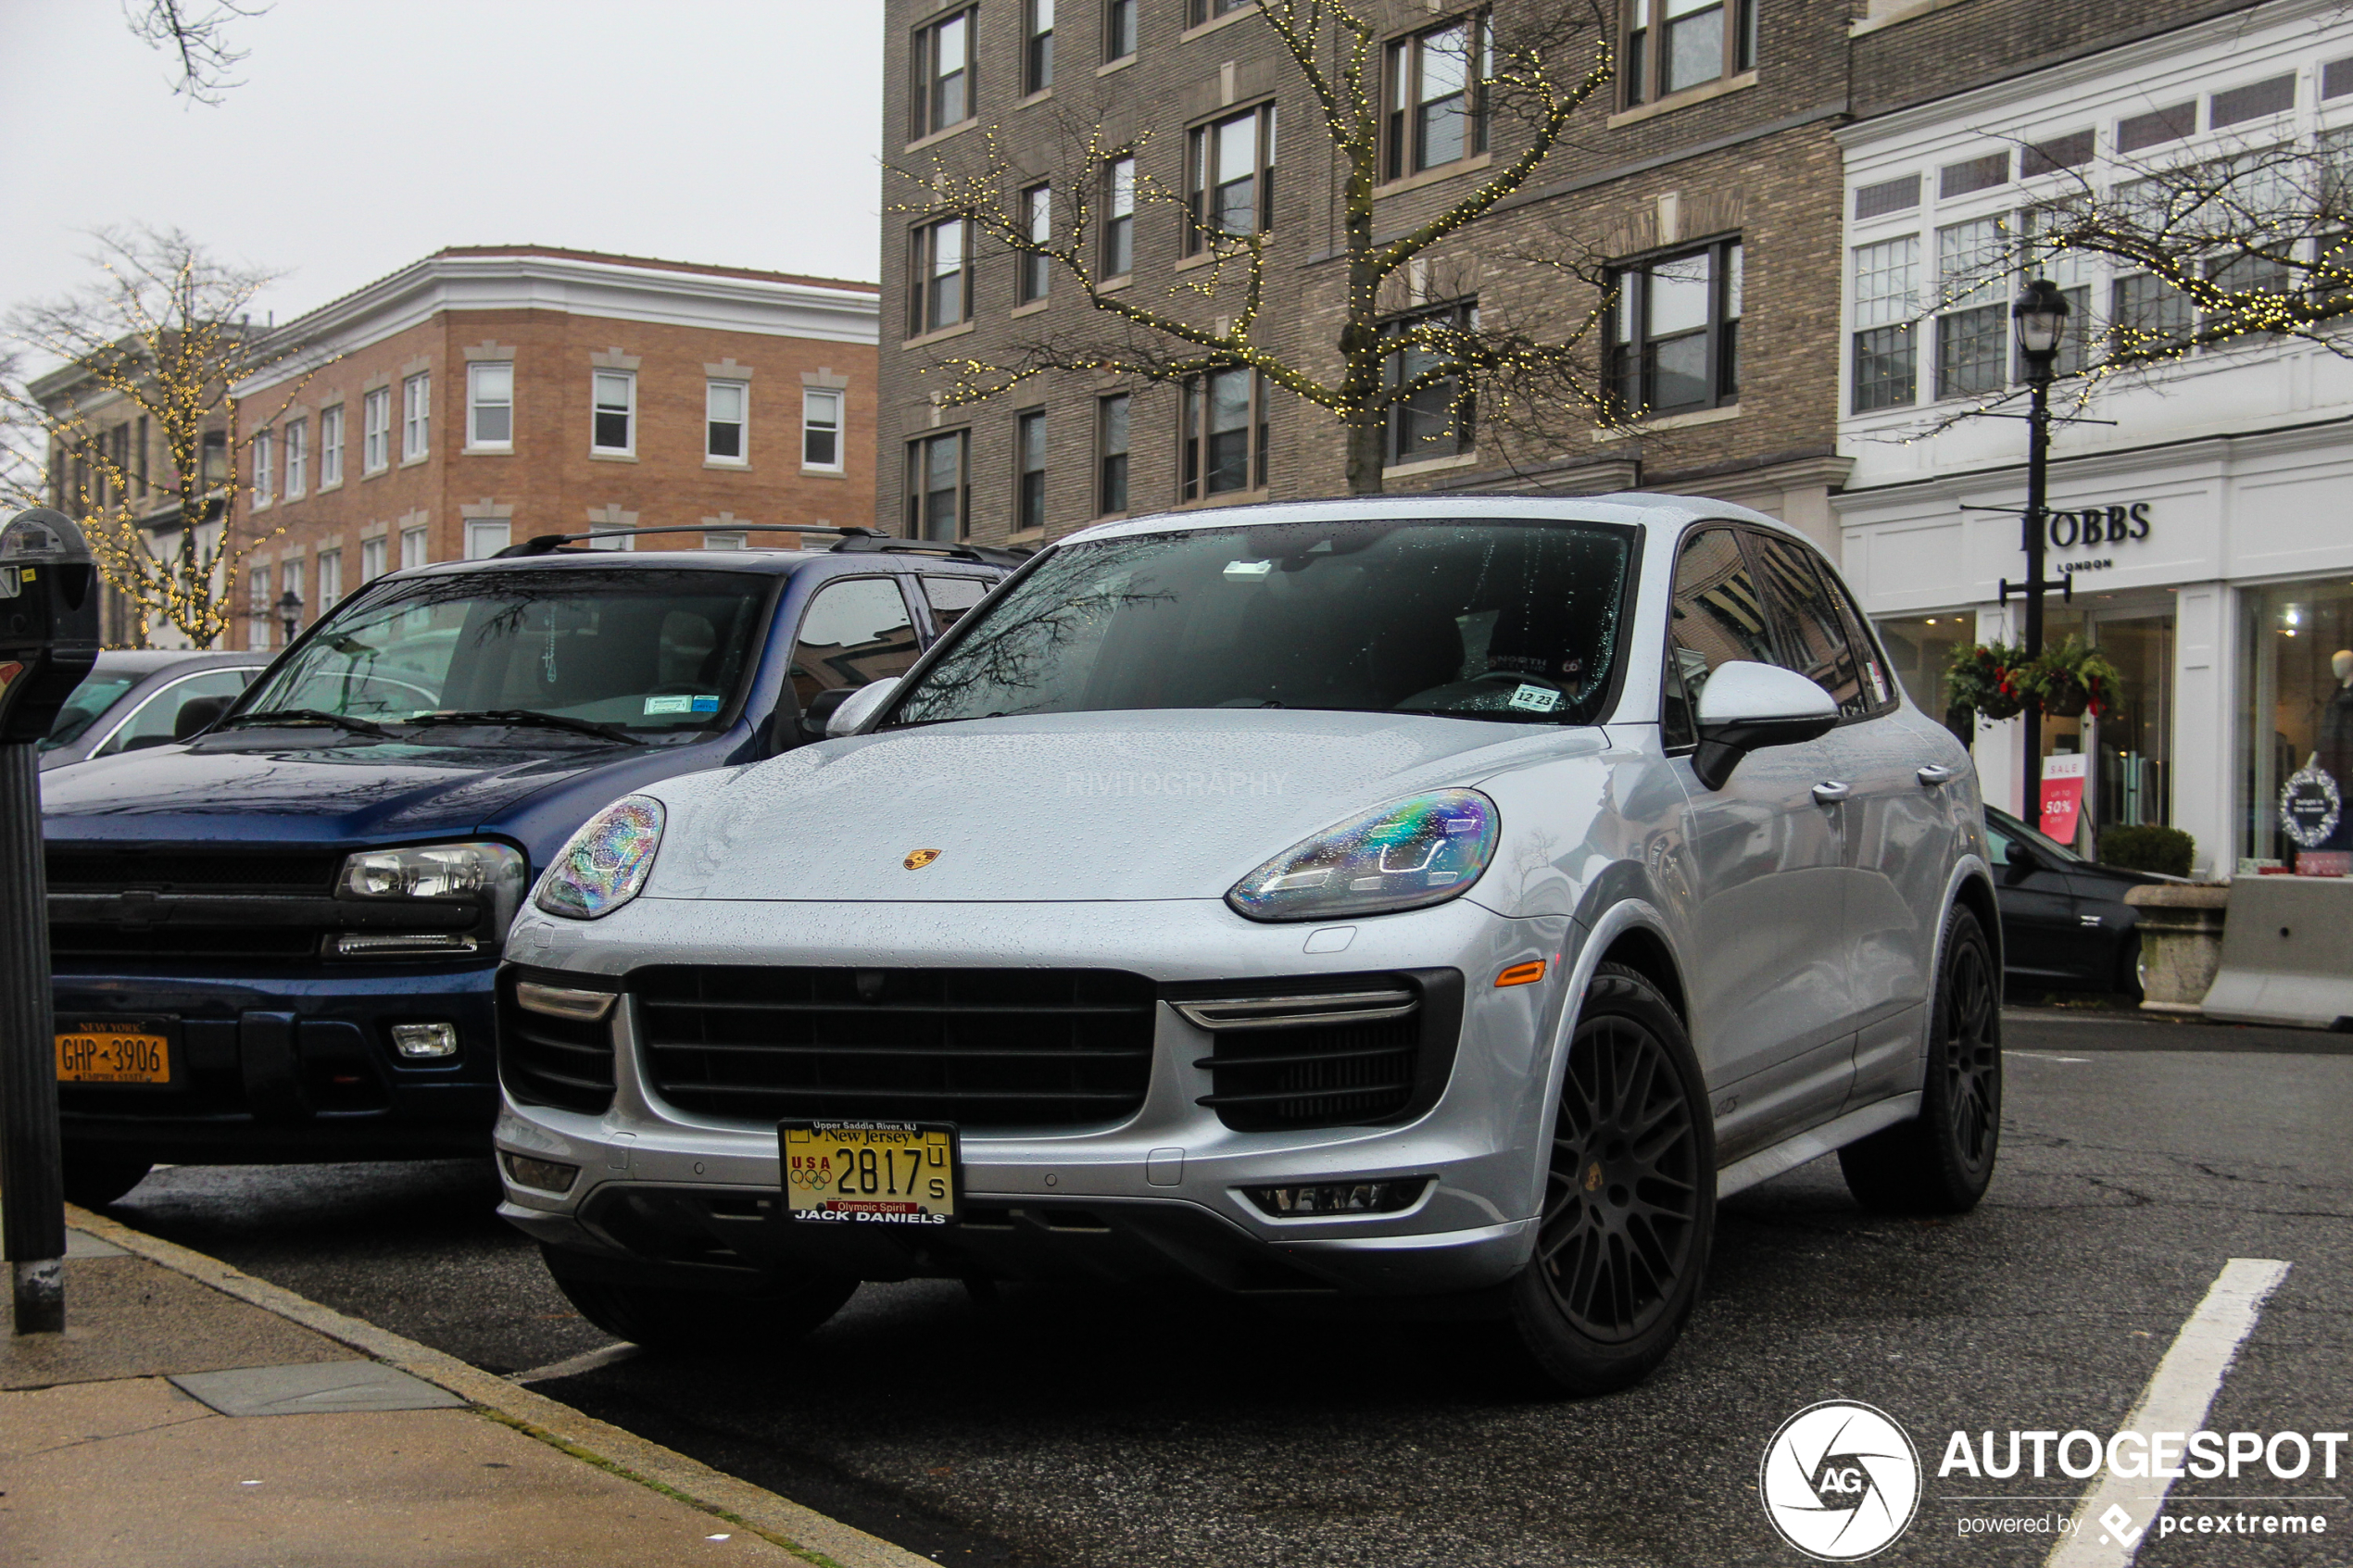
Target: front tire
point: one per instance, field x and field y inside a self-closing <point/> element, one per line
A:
<point x="705" y="1322"/>
<point x="1629" y="1195"/>
<point x="1941" y="1162"/>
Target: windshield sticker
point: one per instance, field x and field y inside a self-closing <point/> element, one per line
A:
<point x="667" y="705"/>
<point x="1249" y="567"/>
<point x="1536" y="699"/>
<point x="705" y="705"/>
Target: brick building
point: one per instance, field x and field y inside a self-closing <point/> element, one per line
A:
<point x="1710" y="177"/>
<point x="485" y="394"/>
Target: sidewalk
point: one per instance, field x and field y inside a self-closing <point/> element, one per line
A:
<point x="192" y="1416"/>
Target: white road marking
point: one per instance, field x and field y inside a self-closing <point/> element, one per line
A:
<point x="574" y="1366"/>
<point x="2040" y="1056"/>
<point x="2176" y="1400"/>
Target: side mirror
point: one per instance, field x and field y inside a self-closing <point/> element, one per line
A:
<point x="1746" y="705"/>
<point x="860" y="706"/>
<point x="195" y="716"/>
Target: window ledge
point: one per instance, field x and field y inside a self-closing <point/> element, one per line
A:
<point x="959" y="330"/>
<point x="374" y="474"/>
<point x="330" y="489"/>
<point x="1120" y="64"/>
<point x="1432" y="176"/>
<point x="1863" y="26"/>
<point x="507" y="451"/>
<point x="418" y="460"/>
<point x="1673" y="422"/>
<point x="1041" y="95"/>
<point x="807" y="472"/>
<point x="1113" y="285"/>
<point x="597" y="457"/>
<point x="1683" y="100"/>
<point x="260" y="506"/>
<point x="920" y="143"/>
<point x="1024" y="535"/>
<point x="1205" y="29"/>
<point x="737" y="463"/>
<point x="1031" y="309"/>
<point x="1231" y="497"/>
<point x="1427" y="465"/>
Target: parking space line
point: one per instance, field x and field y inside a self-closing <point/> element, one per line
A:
<point x="572" y="1366"/>
<point x="2176" y="1400"/>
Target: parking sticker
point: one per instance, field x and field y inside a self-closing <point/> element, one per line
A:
<point x="1535" y="699"/>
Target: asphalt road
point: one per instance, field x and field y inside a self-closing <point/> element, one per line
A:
<point x="1082" y="1427"/>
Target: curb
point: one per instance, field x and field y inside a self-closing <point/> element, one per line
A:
<point x="801" y="1530"/>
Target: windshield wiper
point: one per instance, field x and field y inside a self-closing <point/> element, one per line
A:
<point x="313" y="716"/>
<point x="530" y="716"/>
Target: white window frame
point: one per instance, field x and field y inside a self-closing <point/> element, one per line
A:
<point x="416" y="546"/>
<point x="375" y="428"/>
<point x="475" y="403"/>
<point x="485" y="537"/>
<point x="596" y="381"/>
<point x="416" y="417"/>
<point x="810" y="397"/>
<point x="373" y="553"/>
<point x="264" y="483"/>
<point x="331" y="446"/>
<point x="742" y="456"/>
<point x="297" y="458"/>
<point x="722" y="539"/>
<point x="330" y="577"/>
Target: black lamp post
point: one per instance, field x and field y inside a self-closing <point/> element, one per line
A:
<point x="2039" y="319"/>
<point x="290" y="612"/>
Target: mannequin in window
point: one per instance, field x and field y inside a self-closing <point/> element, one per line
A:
<point x="2334" y="754"/>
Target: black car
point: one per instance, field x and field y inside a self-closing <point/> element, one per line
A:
<point x="135" y="698"/>
<point x="2065" y="923"/>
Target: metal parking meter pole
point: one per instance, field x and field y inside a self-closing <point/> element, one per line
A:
<point x="48" y="640"/>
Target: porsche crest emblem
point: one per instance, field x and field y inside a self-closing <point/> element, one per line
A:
<point x="921" y="858"/>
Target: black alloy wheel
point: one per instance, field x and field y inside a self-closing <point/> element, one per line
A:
<point x="1629" y="1194"/>
<point x="1941" y="1161"/>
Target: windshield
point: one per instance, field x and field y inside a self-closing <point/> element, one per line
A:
<point x="1500" y="620"/>
<point x="2004" y="826"/>
<point x="100" y="691"/>
<point x="651" y="650"/>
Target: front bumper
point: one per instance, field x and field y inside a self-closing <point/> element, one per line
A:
<point x="290" y="1068"/>
<point x="688" y="1197"/>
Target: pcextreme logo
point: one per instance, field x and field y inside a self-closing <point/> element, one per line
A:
<point x="1840" y="1481"/>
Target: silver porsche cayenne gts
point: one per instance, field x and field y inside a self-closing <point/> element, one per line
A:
<point x="1441" y="897"/>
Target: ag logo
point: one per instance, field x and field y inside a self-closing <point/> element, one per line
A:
<point x="920" y="858"/>
<point x="1840" y="1481"/>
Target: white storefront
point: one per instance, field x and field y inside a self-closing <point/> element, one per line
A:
<point x="2208" y="531"/>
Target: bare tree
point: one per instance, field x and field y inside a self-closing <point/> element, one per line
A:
<point x="1527" y="71"/>
<point x="163" y="331"/>
<point x="196" y="39"/>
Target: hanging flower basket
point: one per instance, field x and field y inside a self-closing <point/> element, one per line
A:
<point x="2068" y="680"/>
<point x="1982" y="679"/>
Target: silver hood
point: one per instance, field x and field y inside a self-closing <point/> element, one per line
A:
<point x="1167" y="804"/>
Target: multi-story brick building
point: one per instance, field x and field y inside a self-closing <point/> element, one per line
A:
<point x="485" y="394"/>
<point x="1705" y="178"/>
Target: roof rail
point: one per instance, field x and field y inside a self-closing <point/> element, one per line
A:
<point x="987" y="555"/>
<point x="547" y="543"/>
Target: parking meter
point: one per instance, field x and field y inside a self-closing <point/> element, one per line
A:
<point x="48" y="640"/>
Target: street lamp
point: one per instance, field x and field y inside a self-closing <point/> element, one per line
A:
<point x="290" y="612"/>
<point x="2039" y="319"/>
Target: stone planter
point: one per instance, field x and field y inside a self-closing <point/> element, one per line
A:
<point x="2180" y="927"/>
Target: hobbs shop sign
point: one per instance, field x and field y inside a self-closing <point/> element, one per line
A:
<point x="2087" y="526"/>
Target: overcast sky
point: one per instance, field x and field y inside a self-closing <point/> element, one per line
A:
<point x="368" y="135"/>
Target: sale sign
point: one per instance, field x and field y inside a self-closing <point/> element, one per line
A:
<point x="2064" y="775"/>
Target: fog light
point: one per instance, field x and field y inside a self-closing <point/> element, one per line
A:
<point x="540" y="1175"/>
<point x="398" y="944"/>
<point x="1340" y="1197"/>
<point x="418" y="1041"/>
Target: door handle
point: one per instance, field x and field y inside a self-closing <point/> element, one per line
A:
<point x="1931" y="777"/>
<point x="1831" y="791"/>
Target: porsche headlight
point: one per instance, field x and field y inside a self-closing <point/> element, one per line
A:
<point x="1423" y="850"/>
<point x="606" y="862"/>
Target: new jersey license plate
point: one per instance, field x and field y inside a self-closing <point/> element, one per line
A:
<point x="136" y="1052"/>
<point x="869" y="1173"/>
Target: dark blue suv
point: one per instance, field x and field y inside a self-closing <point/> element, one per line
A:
<point x="277" y="941"/>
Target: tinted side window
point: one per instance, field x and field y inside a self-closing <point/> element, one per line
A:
<point x="951" y="596"/>
<point x="1879" y="685"/>
<point x="1811" y="625"/>
<point x="152" y="723"/>
<point x="855" y="630"/>
<point x="1718" y="617"/>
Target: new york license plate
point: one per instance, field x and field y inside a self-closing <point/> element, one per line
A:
<point x="136" y="1052"/>
<point x="869" y="1173"/>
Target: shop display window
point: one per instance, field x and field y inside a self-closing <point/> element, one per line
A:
<point x="2296" y="764"/>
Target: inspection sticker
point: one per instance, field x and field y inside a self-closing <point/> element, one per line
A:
<point x="667" y="705"/>
<point x="1249" y="567"/>
<point x="1536" y="699"/>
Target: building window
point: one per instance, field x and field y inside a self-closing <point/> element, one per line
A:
<point x="820" y="429"/>
<point x="2253" y="101"/>
<point x="1675" y="331"/>
<point x="1435" y="420"/>
<point x="331" y="446"/>
<point x="375" y="431"/>
<point x="1973" y="323"/>
<point x="490" y="406"/>
<point x="943" y="271"/>
<point x="2293" y="675"/>
<point x="264" y="483"/>
<point x="1119" y="29"/>
<point x="724" y="540"/>
<point x="2072" y="271"/>
<point x="1437" y="114"/>
<point x="1886" y="278"/>
<point x="330" y="579"/>
<point x="1229" y="177"/>
<point x="1111" y="454"/>
<point x="1675" y="45"/>
<point x="1225" y="435"/>
<point x="371" y="559"/>
<point x="2155" y="128"/>
<point x="2242" y="276"/>
<point x="1119" y="217"/>
<point x="1038" y="46"/>
<point x="943" y="60"/>
<point x="1029" y="484"/>
<point x="2148" y="316"/>
<point x="1037" y="222"/>
<point x="485" y="537"/>
<point x="1197" y="12"/>
<point x="413" y="551"/>
<point x="2072" y="151"/>
<point x="416" y="414"/>
<point x="615" y="414"/>
<point x="725" y="405"/>
<point x="290" y="577"/>
<point x="297" y="457"/>
<point x="938" y="486"/>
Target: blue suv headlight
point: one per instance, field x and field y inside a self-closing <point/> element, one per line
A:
<point x="606" y="862"/>
<point x="1421" y="850"/>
